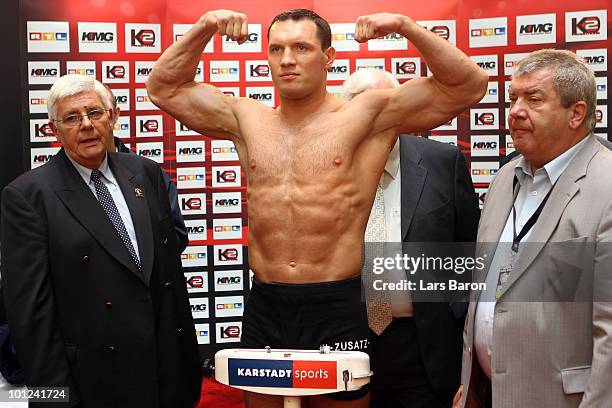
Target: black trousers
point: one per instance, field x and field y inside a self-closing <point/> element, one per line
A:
<point x="400" y="379"/>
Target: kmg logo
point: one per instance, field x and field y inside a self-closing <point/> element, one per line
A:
<point x="536" y="29"/>
<point x="98" y="37"/>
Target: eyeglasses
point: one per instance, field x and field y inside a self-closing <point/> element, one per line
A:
<point x="76" y="119"/>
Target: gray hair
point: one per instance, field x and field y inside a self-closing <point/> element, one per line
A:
<point x="74" y="84"/>
<point x="573" y="80"/>
<point x="110" y="95"/>
<point x="365" y="79"/>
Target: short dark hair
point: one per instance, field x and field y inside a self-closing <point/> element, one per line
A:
<point x="323" y="29"/>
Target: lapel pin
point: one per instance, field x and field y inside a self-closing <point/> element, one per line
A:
<point x="139" y="193"/>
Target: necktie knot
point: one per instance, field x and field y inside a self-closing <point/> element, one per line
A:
<point x="95" y="175"/>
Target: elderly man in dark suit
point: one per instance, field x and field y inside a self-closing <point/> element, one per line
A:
<point x="95" y="297"/>
<point x="428" y="197"/>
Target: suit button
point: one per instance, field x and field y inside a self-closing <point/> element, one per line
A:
<point x="85" y="259"/>
<point x="168" y="285"/>
<point x="109" y="304"/>
<point x="165" y="241"/>
<point x="179" y="329"/>
<point x="111" y="349"/>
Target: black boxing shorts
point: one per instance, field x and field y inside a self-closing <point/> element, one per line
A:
<point x="307" y="316"/>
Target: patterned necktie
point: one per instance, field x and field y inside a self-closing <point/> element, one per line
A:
<point x="110" y="208"/>
<point x="379" y="311"/>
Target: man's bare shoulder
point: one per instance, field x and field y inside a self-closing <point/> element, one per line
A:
<point x="254" y="118"/>
<point x="247" y="107"/>
<point x="367" y="108"/>
<point x="364" y="110"/>
<point x="341" y="114"/>
<point x="370" y="99"/>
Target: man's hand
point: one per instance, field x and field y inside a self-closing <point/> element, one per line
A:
<point x="227" y="22"/>
<point x="457" y="399"/>
<point x="378" y="25"/>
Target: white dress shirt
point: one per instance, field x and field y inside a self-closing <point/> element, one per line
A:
<point x="533" y="189"/>
<point x="391" y="183"/>
<point x="113" y="187"/>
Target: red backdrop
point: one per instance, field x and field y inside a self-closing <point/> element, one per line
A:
<point x="210" y="186"/>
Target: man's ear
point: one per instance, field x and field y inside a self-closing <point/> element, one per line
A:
<point x="330" y="53"/>
<point x="55" y="131"/>
<point x="577" y="115"/>
<point x="115" y="115"/>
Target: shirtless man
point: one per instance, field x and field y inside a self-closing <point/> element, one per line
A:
<point x="312" y="166"/>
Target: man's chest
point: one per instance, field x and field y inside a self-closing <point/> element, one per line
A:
<point x="304" y="152"/>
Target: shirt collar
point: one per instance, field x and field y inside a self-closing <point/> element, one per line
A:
<point x="393" y="162"/>
<point x="86" y="172"/>
<point x="553" y="169"/>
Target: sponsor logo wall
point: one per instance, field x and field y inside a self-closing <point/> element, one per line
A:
<point x="121" y="45"/>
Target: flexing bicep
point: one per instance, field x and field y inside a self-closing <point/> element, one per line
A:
<point x="200" y="107"/>
<point x="423" y="104"/>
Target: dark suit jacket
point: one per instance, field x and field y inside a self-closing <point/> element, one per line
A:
<point x="438" y="205"/>
<point x="179" y="224"/>
<point x="81" y="314"/>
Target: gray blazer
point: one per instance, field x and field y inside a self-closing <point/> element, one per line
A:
<point x="550" y="354"/>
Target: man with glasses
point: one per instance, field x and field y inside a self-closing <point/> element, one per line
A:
<point x="95" y="296"/>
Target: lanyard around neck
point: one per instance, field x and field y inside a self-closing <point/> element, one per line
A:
<point x="516" y="239"/>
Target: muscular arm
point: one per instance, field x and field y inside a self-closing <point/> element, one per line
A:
<point x="422" y="103"/>
<point x="29" y="297"/>
<point x="171" y="85"/>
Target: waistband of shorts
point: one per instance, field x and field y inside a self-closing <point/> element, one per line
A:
<point x="316" y="288"/>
